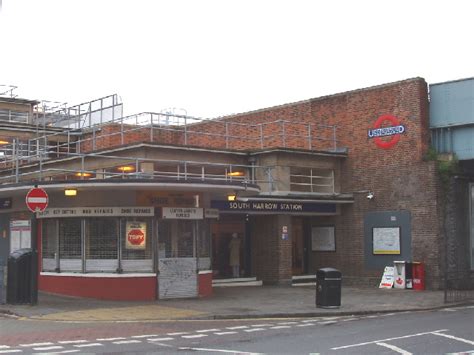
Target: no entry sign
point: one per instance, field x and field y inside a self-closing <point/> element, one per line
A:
<point x="37" y="200"/>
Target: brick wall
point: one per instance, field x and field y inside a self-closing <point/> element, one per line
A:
<point x="399" y="177"/>
<point x="271" y="256"/>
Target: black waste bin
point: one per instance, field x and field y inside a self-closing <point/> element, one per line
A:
<point x="19" y="276"/>
<point x="328" y="288"/>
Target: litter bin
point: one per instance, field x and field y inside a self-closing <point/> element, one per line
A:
<point x="19" y="276"/>
<point x="418" y="276"/>
<point x="328" y="288"/>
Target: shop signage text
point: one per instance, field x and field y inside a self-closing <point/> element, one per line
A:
<point x="272" y="206"/>
<point x="211" y="213"/>
<point x="182" y="213"/>
<point x="97" y="212"/>
<point x="394" y="131"/>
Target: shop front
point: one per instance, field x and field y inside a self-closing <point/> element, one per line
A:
<point x="138" y="252"/>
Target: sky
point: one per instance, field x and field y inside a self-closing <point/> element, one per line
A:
<point x="210" y="58"/>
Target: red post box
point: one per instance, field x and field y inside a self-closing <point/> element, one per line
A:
<point x="418" y="270"/>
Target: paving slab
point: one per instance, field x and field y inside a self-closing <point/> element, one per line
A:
<point x="234" y="302"/>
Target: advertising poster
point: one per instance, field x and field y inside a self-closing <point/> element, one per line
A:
<point x="387" y="277"/>
<point x="20" y="235"/>
<point x="135" y="233"/>
<point x="386" y="241"/>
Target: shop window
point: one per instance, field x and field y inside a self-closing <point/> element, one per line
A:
<point x="70" y="239"/>
<point x="49" y="245"/>
<point x="136" y="245"/>
<point x="311" y="180"/>
<point x="176" y="239"/>
<point x="70" y="244"/>
<point x="101" y="238"/>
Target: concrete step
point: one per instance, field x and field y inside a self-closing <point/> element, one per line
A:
<point x="238" y="281"/>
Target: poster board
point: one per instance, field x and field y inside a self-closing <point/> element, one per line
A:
<point x="387" y="277"/>
<point x="323" y="238"/>
<point x="135" y="235"/>
<point x="386" y="241"/>
<point x="20" y="234"/>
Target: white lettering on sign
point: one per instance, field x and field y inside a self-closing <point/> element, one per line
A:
<point x="211" y="213"/>
<point x="97" y="212"/>
<point x="182" y="213"/>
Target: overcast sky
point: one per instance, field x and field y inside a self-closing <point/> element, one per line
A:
<point x="218" y="57"/>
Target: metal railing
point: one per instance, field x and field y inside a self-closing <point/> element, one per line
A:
<point x="190" y="131"/>
<point x="105" y="167"/>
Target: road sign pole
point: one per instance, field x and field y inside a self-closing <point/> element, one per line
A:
<point x="34" y="259"/>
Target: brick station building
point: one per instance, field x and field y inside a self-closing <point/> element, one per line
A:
<point x="338" y="181"/>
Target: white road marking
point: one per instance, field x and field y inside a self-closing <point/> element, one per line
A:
<point x="394" y="348"/>
<point x="88" y="345"/>
<point x="305" y="325"/>
<point x="387" y="314"/>
<point x="448" y="310"/>
<point x="48" y="348"/>
<point x="225" y="333"/>
<point x="160" y="339"/>
<point x="10" y="351"/>
<point x="239" y="327"/>
<point x="455" y="338"/>
<point x="144" y="336"/>
<point x="64" y="352"/>
<point x="219" y="351"/>
<point x="309" y="321"/>
<point x="281" y="327"/>
<point x="349" y="319"/>
<point x="328" y="322"/>
<point x="372" y="317"/>
<point x="254" y="330"/>
<point x="177" y="333"/>
<point x="36" y="344"/>
<point x="72" y="341"/>
<point x="286" y="323"/>
<point x="194" y="336"/>
<point x="110" y="339"/>
<point x="388" y="339"/>
<point x="207" y="330"/>
<point x="126" y="342"/>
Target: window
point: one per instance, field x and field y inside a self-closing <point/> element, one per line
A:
<point x="101" y="238"/>
<point x="70" y="241"/>
<point x="176" y="238"/>
<point x="311" y="180"/>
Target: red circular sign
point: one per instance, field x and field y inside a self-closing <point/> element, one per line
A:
<point x="136" y="237"/>
<point x="394" y="138"/>
<point x="37" y="200"/>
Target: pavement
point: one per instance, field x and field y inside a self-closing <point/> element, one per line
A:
<point x="228" y="303"/>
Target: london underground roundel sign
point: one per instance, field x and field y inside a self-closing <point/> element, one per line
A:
<point x="37" y="200"/>
<point x="394" y="130"/>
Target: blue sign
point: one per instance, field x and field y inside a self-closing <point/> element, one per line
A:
<point x="5" y="203"/>
<point x="273" y="206"/>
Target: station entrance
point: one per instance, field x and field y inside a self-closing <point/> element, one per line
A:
<point x="230" y="247"/>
